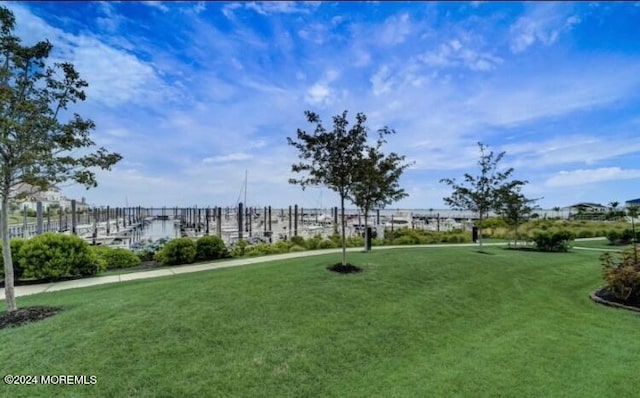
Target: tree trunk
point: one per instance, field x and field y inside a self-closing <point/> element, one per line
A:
<point x="6" y="253"/>
<point x="344" y="241"/>
<point x="516" y="237"/>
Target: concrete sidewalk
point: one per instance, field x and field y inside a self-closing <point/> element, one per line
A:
<point x="184" y="269"/>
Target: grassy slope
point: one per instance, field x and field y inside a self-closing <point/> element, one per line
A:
<point x="417" y="322"/>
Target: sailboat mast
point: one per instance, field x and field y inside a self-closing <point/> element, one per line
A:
<point x="245" y="187"/>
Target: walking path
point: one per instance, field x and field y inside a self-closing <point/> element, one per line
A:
<point x="184" y="269"/>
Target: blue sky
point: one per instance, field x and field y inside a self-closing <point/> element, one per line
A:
<point x="193" y="94"/>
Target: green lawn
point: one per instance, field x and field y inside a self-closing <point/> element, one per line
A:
<point x="435" y="322"/>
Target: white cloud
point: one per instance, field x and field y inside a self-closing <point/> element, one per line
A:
<point x="454" y="54"/>
<point x="231" y="157"/>
<point x="228" y="10"/>
<point x="156" y="4"/>
<point x="543" y="24"/>
<point x="318" y="93"/>
<point x="395" y="29"/>
<point x="115" y="76"/>
<point x="282" y="7"/>
<point x="380" y="81"/>
<point x="591" y="176"/>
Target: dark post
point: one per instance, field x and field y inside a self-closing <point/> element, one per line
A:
<point x="94" y="236"/>
<point x="39" y="218"/>
<point x="48" y="218"/>
<point x="290" y="222"/>
<point x="377" y="216"/>
<point x="108" y="221"/>
<point x="295" y="220"/>
<point x="249" y="218"/>
<point x="73" y="217"/>
<point x="60" y="210"/>
<point x="206" y="215"/>
<point x="438" y="222"/>
<point x="240" y="221"/>
<point x="270" y="234"/>
<point x="335" y="215"/>
<point x="367" y="240"/>
<point x="219" y="222"/>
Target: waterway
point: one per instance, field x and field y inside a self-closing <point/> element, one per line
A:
<point x="157" y="229"/>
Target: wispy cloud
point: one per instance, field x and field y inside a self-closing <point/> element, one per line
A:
<point x="543" y="24"/>
<point x="590" y="176"/>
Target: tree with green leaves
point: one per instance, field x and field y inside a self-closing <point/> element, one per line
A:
<point x="514" y="207"/>
<point x="331" y="158"/>
<point x="377" y="178"/>
<point x="479" y="194"/>
<point x="38" y="149"/>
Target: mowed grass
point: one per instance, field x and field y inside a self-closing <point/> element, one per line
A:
<point x="417" y="322"/>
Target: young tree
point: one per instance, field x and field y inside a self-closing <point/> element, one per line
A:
<point x="331" y="158"/>
<point x="377" y="178"/>
<point x="514" y="207"/>
<point x="479" y="194"/>
<point x="37" y="149"/>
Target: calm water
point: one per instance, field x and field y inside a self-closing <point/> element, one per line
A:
<point x="158" y="229"/>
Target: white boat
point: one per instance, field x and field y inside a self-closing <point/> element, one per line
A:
<point x="400" y="219"/>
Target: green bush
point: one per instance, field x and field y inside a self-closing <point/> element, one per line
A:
<point x="313" y="243"/>
<point x="178" y="251"/>
<point x="16" y="245"/>
<point x="327" y="244"/>
<point x="585" y="233"/>
<point x="355" y="241"/>
<point x="296" y="248"/>
<point x="238" y="250"/>
<point x="622" y="275"/>
<point x="553" y="241"/>
<point x="210" y="248"/>
<point x="282" y="246"/>
<point x="404" y="240"/>
<point x="112" y="258"/>
<point x="623" y="237"/>
<point x="56" y="255"/>
<point x="297" y="240"/>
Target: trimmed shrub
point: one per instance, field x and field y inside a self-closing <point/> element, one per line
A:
<point x="355" y="241"/>
<point x="404" y="240"/>
<point x="313" y="243"/>
<point x="623" y="237"/>
<point x="282" y="246"/>
<point x="622" y="275"/>
<point x="210" y="248"/>
<point x="296" y="248"/>
<point x="553" y="242"/>
<point x="16" y="245"/>
<point x="178" y="251"/>
<point x="238" y="249"/>
<point x="112" y="258"/>
<point x="297" y="240"/>
<point x="55" y="256"/>
<point x="327" y="244"/>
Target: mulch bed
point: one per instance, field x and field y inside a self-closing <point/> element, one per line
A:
<point x="26" y="315"/>
<point x="344" y="269"/>
<point x="603" y="296"/>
